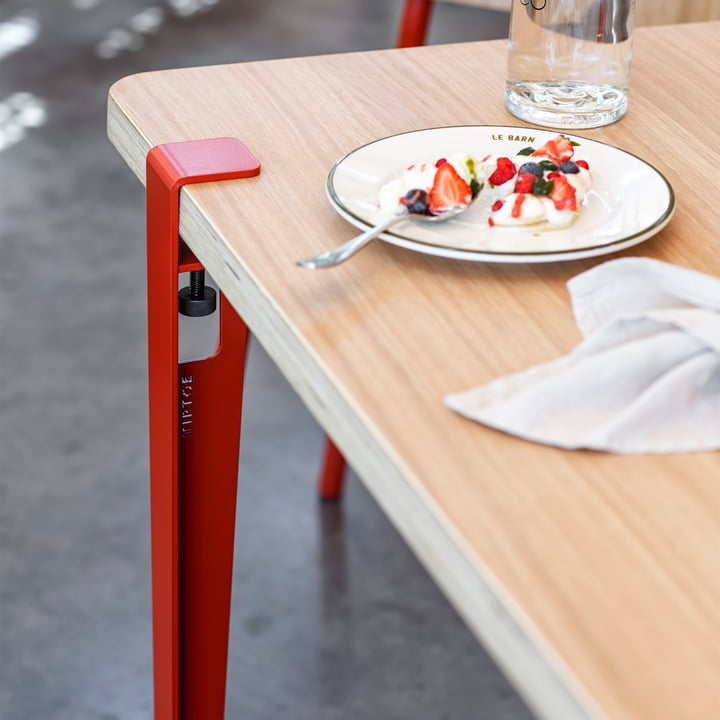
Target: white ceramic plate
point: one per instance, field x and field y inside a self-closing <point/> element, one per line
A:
<point x="629" y="203"/>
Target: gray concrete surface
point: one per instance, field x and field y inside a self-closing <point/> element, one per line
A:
<point x="332" y="616"/>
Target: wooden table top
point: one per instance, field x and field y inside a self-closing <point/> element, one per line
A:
<point x="593" y="579"/>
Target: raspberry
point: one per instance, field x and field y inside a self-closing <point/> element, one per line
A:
<point x="505" y="171"/>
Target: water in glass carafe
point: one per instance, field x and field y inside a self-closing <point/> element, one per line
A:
<point x="569" y="61"/>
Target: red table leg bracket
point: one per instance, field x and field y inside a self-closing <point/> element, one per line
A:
<point x="195" y="413"/>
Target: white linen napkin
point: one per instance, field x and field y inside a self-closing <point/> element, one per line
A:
<point x="645" y="379"/>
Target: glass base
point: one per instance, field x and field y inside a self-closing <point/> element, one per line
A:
<point x="566" y="105"/>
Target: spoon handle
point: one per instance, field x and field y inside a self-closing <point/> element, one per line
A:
<point x="333" y="257"/>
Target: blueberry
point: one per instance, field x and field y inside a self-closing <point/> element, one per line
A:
<point x="416" y="202"/>
<point x="569" y="167"/>
<point x="531" y="168"/>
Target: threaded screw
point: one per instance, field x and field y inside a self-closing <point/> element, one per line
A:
<point x="197" y="284"/>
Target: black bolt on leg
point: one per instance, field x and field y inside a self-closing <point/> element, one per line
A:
<point x="197" y="300"/>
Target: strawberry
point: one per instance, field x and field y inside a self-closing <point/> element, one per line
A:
<point x="558" y="149"/>
<point x="582" y="164"/>
<point x="525" y="183"/>
<point x="504" y="171"/>
<point x="563" y="194"/>
<point x="449" y="190"/>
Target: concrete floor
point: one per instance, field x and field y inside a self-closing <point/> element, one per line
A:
<point x="332" y="616"/>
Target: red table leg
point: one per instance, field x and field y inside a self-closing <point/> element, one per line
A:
<point x="332" y="474"/>
<point x="414" y="23"/>
<point x="195" y="412"/>
<point x="195" y="415"/>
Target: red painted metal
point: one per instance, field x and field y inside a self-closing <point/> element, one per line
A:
<point x="332" y="476"/>
<point x="210" y="394"/>
<point x="414" y="23"/>
<point x="195" y="412"/>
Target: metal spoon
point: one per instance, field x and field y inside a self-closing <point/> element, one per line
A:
<point x="333" y="257"/>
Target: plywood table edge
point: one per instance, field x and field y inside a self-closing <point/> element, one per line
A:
<point x="548" y="686"/>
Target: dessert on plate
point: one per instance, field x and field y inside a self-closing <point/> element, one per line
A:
<point x="542" y="187"/>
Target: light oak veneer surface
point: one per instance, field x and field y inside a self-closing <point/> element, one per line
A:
<point x="594" y="579"/>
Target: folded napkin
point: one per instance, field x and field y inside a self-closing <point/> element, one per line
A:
<point x="645" y="379"/>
